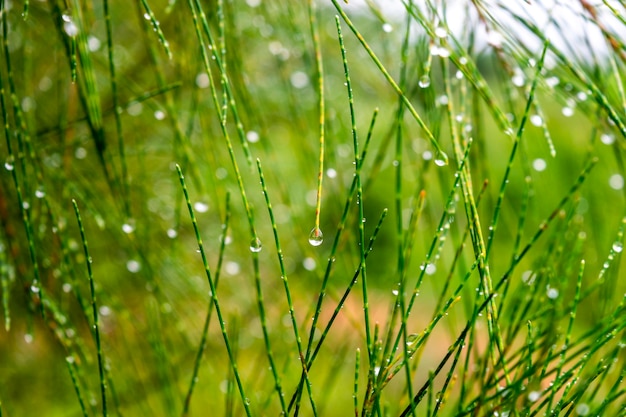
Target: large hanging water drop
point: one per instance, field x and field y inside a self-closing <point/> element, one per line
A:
<point x="316" y="237"/>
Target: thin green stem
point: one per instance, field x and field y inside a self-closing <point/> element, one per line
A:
<point x="94" y="310"/>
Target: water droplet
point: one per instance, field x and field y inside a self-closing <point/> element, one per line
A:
<point x="387" y="28"/>
<point x="80" y="153"/>
<point x="128" y="227"/>
<point x="159" y="115"/>
<point x="616" y="182"/>
<point x="316" y="237"/>
<point x="567" y="111"/>
<point x="252" y="136"/>
<point x="395" y="292"/>
<point x="93" y="43"/>
<point x="441" y="159"/>
<point x="28" y="338"/>
<point x="8" y="165"/>
<point x="607" y="139"/>
<point x="172" y="233"/>
<point x="34" y="288"/>
<point x="582" y="409"/>
<point x="430" y="269"/>
<point x="70" y="359"/>
<point x="202" y="80"/>
<point x="424" y="81"/>
<point x="105" y="311"/>
<point x="232" y="268"/>
<point x="70" y="27"/>
<point x="441" y="32"/>
<point x="256" y="245"/>
<point x="552" y="293"/>
<point x="536" y="120"/>
<point x="539" y="165"/>
<point x="618" y="247"/>
<point x="309" y="264"/>
<point x="133" y="266"/>
<point x="299" y="79"/>
<point x="534" y="396"/>
<point x="201" y="207"/>
<point x="39" y="193"/>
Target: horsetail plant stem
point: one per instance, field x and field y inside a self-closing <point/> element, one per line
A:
<point x="207" y="320"/>
<point x="316" y="236"/>
<point x="94" y="310"/>
<point x="233" y="363"/>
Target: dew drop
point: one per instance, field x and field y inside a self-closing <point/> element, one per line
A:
<point x="539" y="165"/>
<point x="256" y="245"/>
<point x="616" y="182"/>
<point x="316" y="237"/>
<point x="387" y="28"/>
<point x="8" y="165"/>
<point x="618" y="247"/>
<point x="39" y="193"/>
<point x="424" y="81"/>
<point x="70" y="28"/>
<point x="582" y="409"/>
<point x="441" y="32"/>
<point x="309" y="264"/>
<point x="28" y="338"/>
<point x="441" y="159"/>
<point x="201" y="207"/>
<point x="252" y="136"/>
<point x="128" y="228"/>
<point x="172" y="233"/>
<point x="133" y="266"/>
<point x="202" y="80"/>
<point x="607" y="139"/>
<point x="534" y="396"/>
<point x="552" y="293"/>
<point x="536" y="120"/>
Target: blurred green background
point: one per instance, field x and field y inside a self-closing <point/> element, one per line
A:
<point x="150" y="283"/>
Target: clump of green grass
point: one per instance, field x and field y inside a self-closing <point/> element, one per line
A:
<point x="385" y="216"/>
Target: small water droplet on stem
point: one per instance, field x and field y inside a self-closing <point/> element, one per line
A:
<point x="255" y="245"/>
